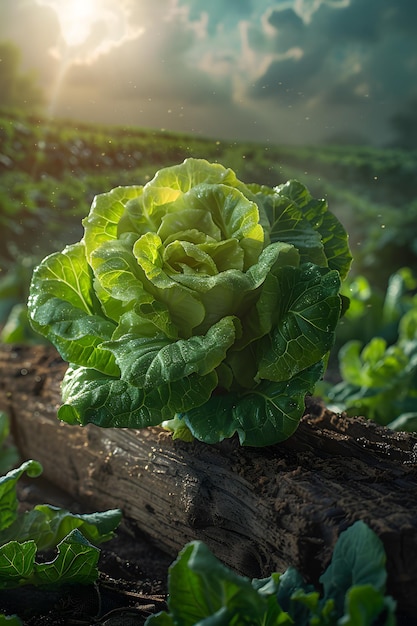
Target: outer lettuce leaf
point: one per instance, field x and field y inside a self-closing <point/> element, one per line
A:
<point x="332" y="233"/>
<point x="309" y="311"/>
<point x="92" y="397"/>
<point x="118" y="281"/>
<point x="288" y="224"/>
<point x="63" y="306"/>
<point x="148" y="362"/>
<point x="103" y="221"/>
<point x="335" y="244"/>
<point x="294" y="320"/>
<point x="266" y="415"/>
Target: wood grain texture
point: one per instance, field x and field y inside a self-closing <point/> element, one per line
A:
<point x="259" y="510"/>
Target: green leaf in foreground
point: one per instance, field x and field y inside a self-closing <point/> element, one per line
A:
<point x="76" y="562"/>
<point x="358" y="559"/>
<point x="203" y="591"/>
<point x="8" y="497"/>
<point x="202" y="588"/>
<point x="45" y="527"/>
<point x="48" y="525"/>
<point x="17" y="562"/>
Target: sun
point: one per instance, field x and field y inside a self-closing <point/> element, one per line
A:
<point x="76" y="18"/>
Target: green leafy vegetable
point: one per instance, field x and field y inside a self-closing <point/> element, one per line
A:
<point x="76" y="562"/>
<point x="380" y="380"/>
<point x="375" y="312"/>
<point x="194" y="297"/>
<point x="202" y="588"/>
<point x="44" y="528"/>
<point x="48" y="525"/>
<point x="202" y="591"/>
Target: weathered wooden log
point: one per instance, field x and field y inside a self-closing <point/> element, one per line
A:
<point x="259" y="510"/>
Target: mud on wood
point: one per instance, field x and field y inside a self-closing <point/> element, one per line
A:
<point x="259" y="510"/>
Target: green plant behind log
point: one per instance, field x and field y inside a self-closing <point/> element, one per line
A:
<point x="198" y="300"/>
<point x="379" y="380"/>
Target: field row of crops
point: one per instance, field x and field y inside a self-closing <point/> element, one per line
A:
<point x="51" y="170"/>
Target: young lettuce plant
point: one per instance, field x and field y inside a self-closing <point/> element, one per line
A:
<point x="203" y="591"/>
<point x="43" y="528"/>
<point x="379" y="381"/>
<point x="195" y="300"/>
<point x="23" y="535"/>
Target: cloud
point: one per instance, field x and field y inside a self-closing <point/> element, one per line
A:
<point x="349" y="45"/>
<point x="289" y="70"/>
<point x="152" y="81"/>
<point x="155" y="65"/>
<point x="91" y="28"/>
<point x="346" y="58"/>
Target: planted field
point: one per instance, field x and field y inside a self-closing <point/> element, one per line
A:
<point x="50" y="172"/>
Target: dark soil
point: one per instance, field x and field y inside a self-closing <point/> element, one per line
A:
<point x="132" y="581"/>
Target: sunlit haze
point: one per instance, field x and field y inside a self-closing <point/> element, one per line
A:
<point x="75" y="17"/>
<point x="293" y="71"/>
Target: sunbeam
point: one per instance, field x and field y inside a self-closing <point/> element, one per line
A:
<point x="76" y="18"/>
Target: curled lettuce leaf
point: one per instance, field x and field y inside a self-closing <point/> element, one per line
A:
<point x="195" y="300"/>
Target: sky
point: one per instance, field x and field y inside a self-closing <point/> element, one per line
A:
<point x="289" y="71"/>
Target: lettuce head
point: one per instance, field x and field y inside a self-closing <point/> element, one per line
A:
<point x="196" y="301"/>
